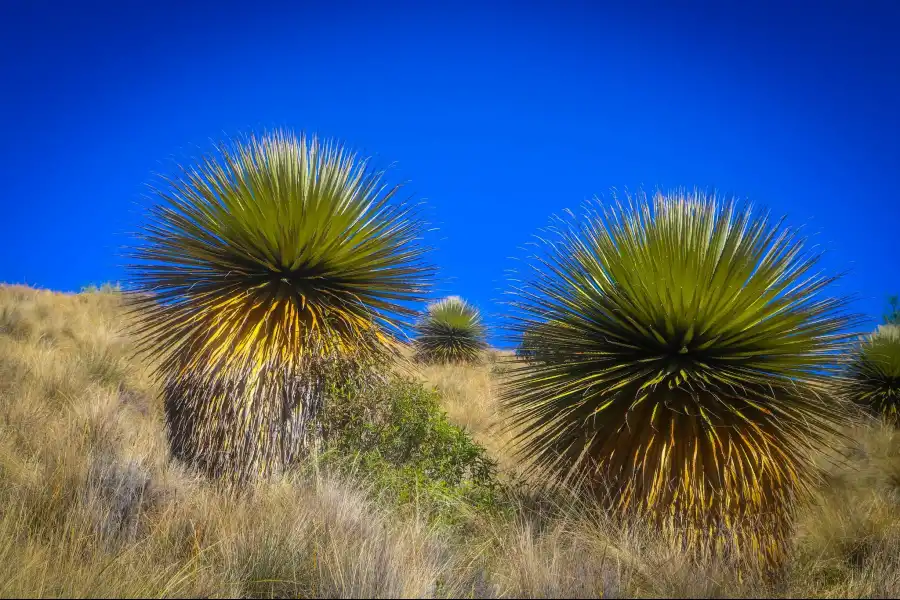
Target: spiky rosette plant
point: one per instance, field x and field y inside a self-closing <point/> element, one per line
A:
<point x="872" y="379"/>
<point x="267" y="265"/>
<point x="679" y="349"/>
<point x="450" y="331"/>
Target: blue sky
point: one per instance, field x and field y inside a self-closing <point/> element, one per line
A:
<point x="497" y="114"/>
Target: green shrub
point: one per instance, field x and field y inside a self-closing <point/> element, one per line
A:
<point x="396" y="434"/>
<point x="105" y="288"/>
<point x="892" y="316"/>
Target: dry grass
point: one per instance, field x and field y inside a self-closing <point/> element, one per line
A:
<point x="93" y="507"/>
<point x="468" y="395"/>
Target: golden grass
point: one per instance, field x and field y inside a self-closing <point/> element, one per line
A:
<point x="92" y="505"/>
<point x="468" y="393"/>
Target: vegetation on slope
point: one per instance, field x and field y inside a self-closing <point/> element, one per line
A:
<point x="267" y="265"/>
<point x="93" y="505"/>
<point x="450" y="331"/>
<point x="872" y="379"/>
<point x="892" y="316"/>
<point x="676" y="351"/>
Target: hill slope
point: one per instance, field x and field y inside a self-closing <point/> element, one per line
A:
<point x="93" y="507"/>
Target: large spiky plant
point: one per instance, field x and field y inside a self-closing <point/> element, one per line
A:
<point x="450" y="331"/>
<point x="678" y="352"/>
<point x="269" y="262"/>
<point x="873" y="377"/>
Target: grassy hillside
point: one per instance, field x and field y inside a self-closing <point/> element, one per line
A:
<point x="91" y="505"/>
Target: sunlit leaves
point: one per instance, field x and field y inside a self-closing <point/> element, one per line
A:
<point x="872" y="379"/>
<point x="261" y="266"/>
<point x="451" y="331"/>
<point x="673" y="351"/>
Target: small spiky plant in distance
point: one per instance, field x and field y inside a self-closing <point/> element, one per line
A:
<point x="531" y="345"/>
<point x="873" y="377"/>
<point x="674" y="353"/>
<point x="262" y="267"/>
<point x="450" y="331"/>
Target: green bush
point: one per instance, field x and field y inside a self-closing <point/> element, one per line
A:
<point x="105" y="288"/>
<point x="873" y="374"/>
<point x="395" y="433"/>
<point x="892" y="316"/>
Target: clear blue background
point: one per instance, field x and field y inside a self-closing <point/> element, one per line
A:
<point x="498" y="115"/>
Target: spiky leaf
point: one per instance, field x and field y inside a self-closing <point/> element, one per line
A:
<point x="451" y="331"/>
<point x="873" y="377"/>
<point x="678" y="349"/>
<point x="260" y="266"/>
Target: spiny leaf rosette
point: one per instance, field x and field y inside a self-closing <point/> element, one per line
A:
<point x="267" y="265"/>
<point x="682" y="344"/>
<point x="451" y="331"/>
<point x="872" y="379"/>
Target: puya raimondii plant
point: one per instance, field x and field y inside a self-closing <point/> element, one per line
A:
<point x="268" y="265"/>
<point x="872" y="379"/>
<point x="673" y="354"/>
<point x="450" y="331"/>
